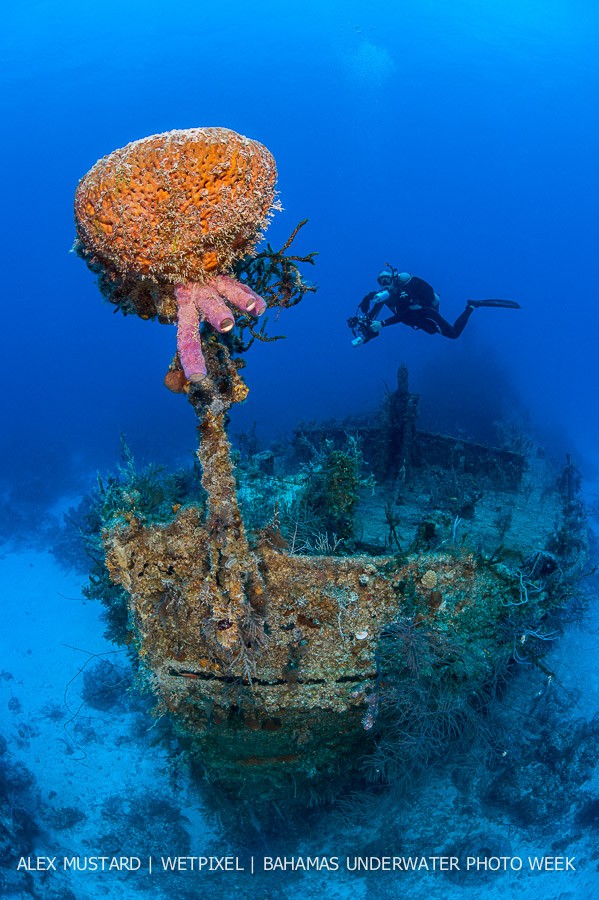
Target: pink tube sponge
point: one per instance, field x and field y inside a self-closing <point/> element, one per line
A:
<point x="240" y="295"/>
<point x="206" y="302"/>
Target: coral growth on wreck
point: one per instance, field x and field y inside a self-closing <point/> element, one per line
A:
<point x="284" y="664"/>
<point x="272" y="662"/>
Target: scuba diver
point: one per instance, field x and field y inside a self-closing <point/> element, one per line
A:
<point x="412" y="301"/>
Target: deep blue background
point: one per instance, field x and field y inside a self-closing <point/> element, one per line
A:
<point x="458" y="141"/>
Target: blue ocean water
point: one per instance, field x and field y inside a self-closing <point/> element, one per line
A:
<point x="455" y="141"/>
<point x="458" y="141"/>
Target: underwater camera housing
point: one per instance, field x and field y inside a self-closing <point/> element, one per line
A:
<point x="362" y="329"/>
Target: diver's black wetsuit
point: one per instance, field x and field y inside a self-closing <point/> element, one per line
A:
<point x="415" y="304"/>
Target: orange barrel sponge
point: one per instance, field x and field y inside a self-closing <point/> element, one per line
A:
<point x="167" y="216"/>
<point x="176" y="206"/>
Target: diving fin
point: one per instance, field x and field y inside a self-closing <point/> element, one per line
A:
<point x="506" y="304"/>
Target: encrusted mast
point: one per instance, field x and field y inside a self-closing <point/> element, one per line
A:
<point x="237" y="597"/>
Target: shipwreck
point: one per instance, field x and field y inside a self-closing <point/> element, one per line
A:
<point x="293" y="655"/>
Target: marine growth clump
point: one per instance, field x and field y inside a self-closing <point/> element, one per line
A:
<point x="163" y="220"/>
